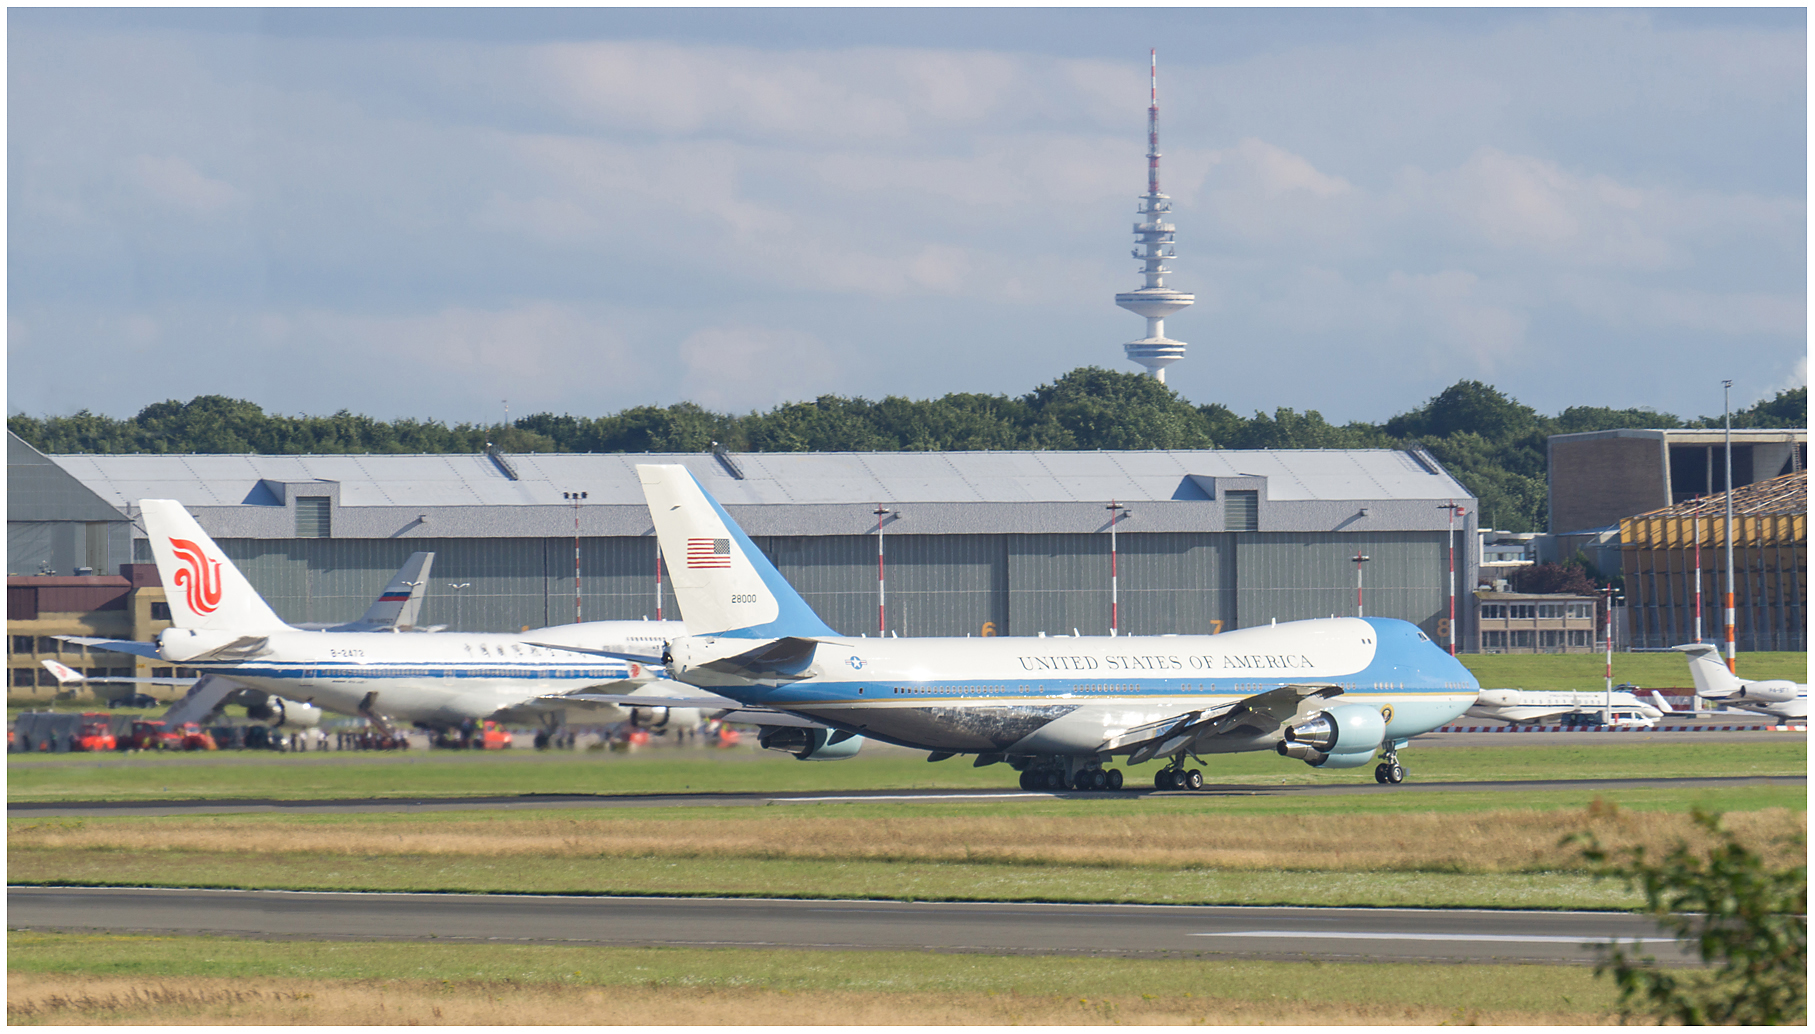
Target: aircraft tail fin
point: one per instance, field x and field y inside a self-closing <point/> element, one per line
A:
<point x="725" y="585"/>
<point x="1662" y="704"/>
<point x="401" y="601"/>
<point x="203" y="587"/>
<point x="1712" y="679"/>
<point x="63" y="673"/>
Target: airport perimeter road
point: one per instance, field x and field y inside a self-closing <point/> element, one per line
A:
<point x="1373" y="935"/>
<point x="224" y="806"/>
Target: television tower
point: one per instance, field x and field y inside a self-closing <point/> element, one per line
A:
<point x="1154" y="300"/>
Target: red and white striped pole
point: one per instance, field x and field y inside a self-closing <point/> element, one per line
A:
<point x="1454" y="512"/>
<point x="575" y="498"/>
<point x="882" y="515"/>
<point x="1115" y="622"/>
<point x="1696" y="524"/>
<point x="1727" y="407"/>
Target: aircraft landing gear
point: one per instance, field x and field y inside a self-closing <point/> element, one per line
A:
<point x="1180" y="778"/>
<point x="1054" y="777"/>
<point x="1390" y="771"/>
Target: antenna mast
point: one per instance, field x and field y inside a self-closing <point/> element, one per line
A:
<point x="1154" y="300"/>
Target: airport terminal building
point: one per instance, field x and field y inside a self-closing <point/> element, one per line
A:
<point x="975" y="543"/>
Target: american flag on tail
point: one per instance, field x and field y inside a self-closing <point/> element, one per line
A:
<point x="708" y="553"/>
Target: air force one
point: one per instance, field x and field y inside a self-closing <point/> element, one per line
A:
<point x="243" y="650"/>
<point x="1333" y="693"/>
<point x="1779" y="698"/>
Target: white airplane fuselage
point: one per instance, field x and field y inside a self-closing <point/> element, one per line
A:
<point x="1516" y="705"/>
<point x="1076" y="696"/>
<point x="429" y="678"/>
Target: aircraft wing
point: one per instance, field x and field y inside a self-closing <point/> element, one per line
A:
<point x="116" y="645"/>
<point x="724" y="708"/>
<point x="645" y="659"/>
<point x="1258" y="714"/>
<point x="64" y="674"/>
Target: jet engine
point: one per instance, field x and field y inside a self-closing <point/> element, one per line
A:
<point x="811" y="744"/>
<point x="1342" y="737"/>
<point x="1775" y="692"/>
<point x="181" y="645"/>
<point x="280" y="713"/>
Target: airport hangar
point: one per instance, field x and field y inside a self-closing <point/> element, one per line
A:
<point x="977" y="543"/>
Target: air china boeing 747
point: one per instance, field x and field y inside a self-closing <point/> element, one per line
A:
<point x="242" y="649"/>
<point x="1333" y="693"/>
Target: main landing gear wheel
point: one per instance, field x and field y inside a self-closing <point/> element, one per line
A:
<point x="1390" y="771"/>
<point x="1114" y="779"/>
<point x="1027" y="781"/>
<point x="1194" y="780"/>
<point x="1162" y="780"/>
<point x="1055" y="779"/>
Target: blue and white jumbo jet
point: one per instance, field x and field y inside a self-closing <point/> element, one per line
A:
<point x="1333" y="693"/>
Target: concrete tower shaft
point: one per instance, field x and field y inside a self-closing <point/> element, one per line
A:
<point x="1153" y="237"/>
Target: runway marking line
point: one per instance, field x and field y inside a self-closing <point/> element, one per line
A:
<point x="1337" y="935"/>
<point x="908" y="797"/>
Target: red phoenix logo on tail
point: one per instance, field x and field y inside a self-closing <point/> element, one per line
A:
<point x="200" y="580"/>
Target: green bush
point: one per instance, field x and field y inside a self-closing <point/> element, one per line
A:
<point x="1749" y="923"/>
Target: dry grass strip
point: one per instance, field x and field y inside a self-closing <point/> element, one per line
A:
<point x="1512" y="840"/>
<point x="62" y="999"/>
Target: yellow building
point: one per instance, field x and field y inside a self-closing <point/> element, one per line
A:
<point x="129" y="605"/>
<point x="1662" y="550"/>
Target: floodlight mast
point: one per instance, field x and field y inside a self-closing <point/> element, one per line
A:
<point x="1154" y="300"/>
<point x="1727" y="420"/>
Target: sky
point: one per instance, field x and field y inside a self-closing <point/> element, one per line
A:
<point x="438" y="213"/>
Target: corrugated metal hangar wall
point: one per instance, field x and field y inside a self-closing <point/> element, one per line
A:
<point x="947" y="585"/>
<point x="1003" y="543"/>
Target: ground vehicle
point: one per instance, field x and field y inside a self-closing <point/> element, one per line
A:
<point x="153" y="735"/>
<point x="1617" y="719"/>
<point x="95" y="732"/>
<point x="191" y="736"/>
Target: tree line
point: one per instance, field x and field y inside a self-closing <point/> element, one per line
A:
<point x="1491" y="442"/>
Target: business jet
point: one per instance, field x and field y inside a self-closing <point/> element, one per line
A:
<point x="1523" y="707"/>
<point x="225" y="631"/>
<point x="1779" y="698"/>
<point x="1332" y="693"/>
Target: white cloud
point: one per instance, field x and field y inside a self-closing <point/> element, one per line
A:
<point x="173" y="181"/>
<point x="745" y="368"/>
<point x="1426" y="199"/>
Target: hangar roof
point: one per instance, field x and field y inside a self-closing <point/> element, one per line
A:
<point x="769" y="478"/>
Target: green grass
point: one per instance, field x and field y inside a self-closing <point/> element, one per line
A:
<point x="454" y="774"/>
<point x="843" y="879"/>
<point x="1588" y="671"/>
<point x="1464" y="988"/>
<point x="900" y="878"/>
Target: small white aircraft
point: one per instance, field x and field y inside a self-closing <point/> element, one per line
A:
<point x="1524" y="707"/>
<point x="1334" y="693"/>
<point x="1779" y="698"/>
<point x="225" y="631"/>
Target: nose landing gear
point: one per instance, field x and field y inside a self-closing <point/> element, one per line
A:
<point x="1390" y="771"/>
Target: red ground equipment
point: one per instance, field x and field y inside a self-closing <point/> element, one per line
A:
<point x="95" y="732"/>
